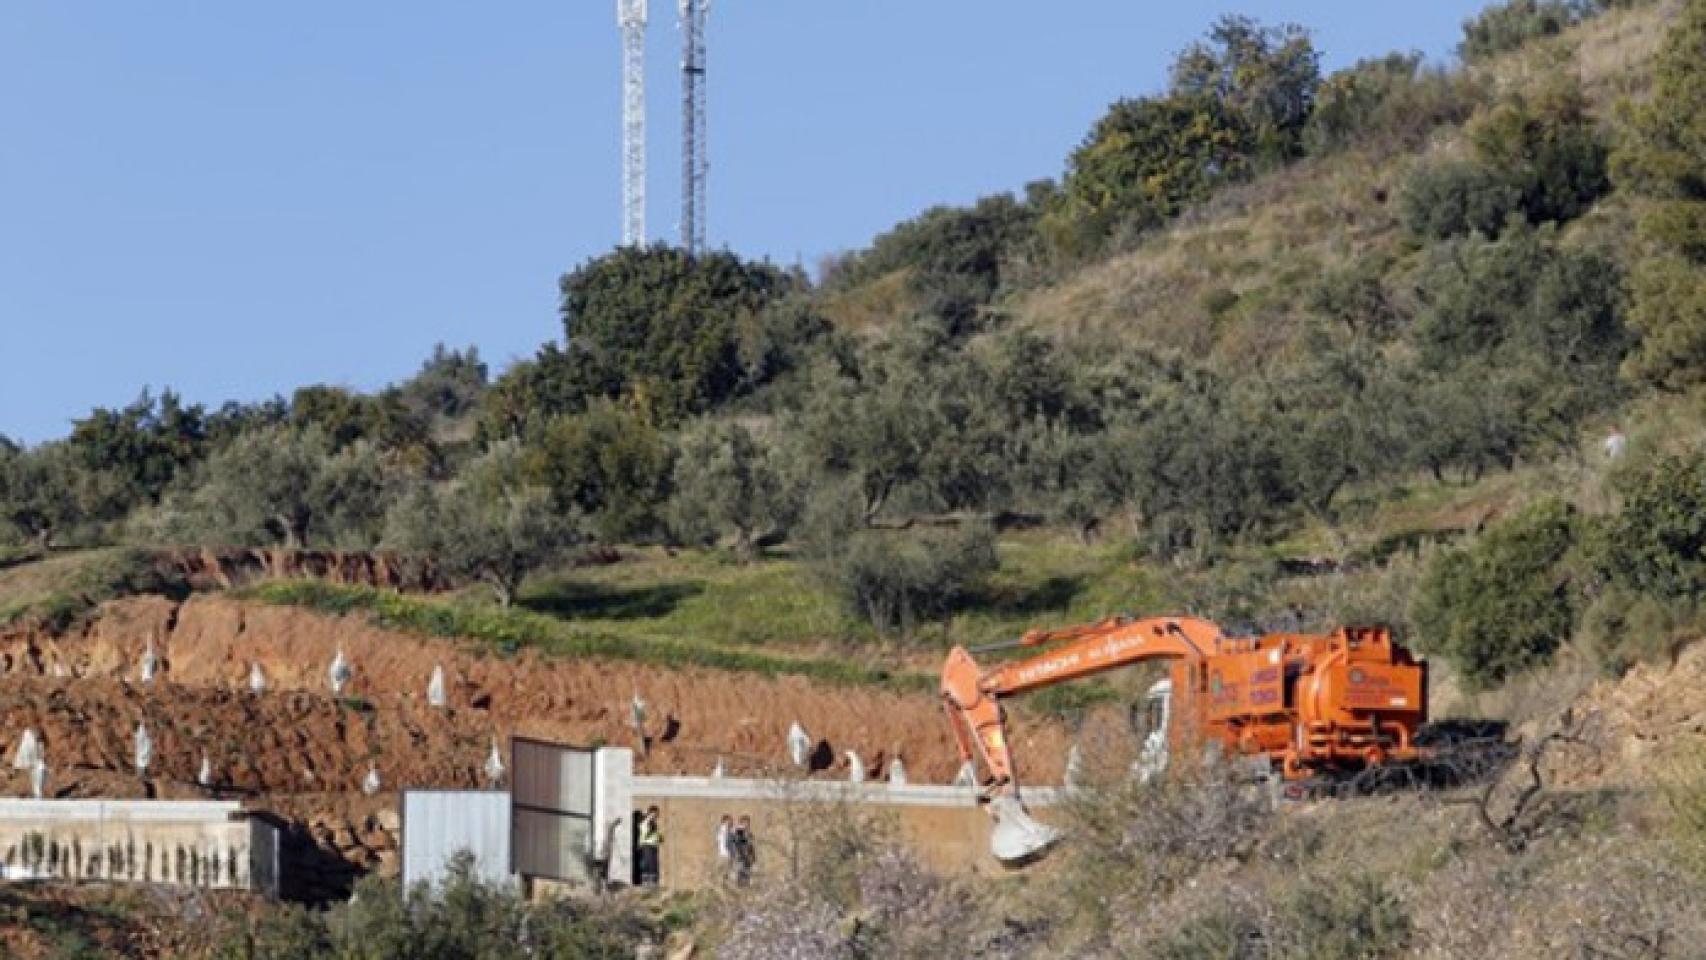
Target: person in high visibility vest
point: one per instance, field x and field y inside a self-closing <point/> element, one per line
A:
<point x="647" y="844"/>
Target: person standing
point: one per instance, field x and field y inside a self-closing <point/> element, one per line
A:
<point x="725" y="848"/>
<point x="650" y="839"/>
<point x="745" y="854"/>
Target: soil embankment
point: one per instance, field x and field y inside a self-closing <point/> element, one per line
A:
<point x="295" y="736"/>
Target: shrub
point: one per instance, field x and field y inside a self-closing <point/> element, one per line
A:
<point x="1455" y="198"/>
<point x="1390" y="103"/>
<point x="1509" y="25"/>
<point x="1549" y="149"/>
<point x="895" y="580"/>
<point x="1664" y="160"/>
<point x="1338" y="917"/>
<point x="1504" y="603"/>
<point x="465" y="918"/>
<point x="1656" y="544"/>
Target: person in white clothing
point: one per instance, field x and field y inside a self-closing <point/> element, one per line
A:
<point x="725" y="847"/>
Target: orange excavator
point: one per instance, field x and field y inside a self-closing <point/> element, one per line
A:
<point x="1298" y="706"/>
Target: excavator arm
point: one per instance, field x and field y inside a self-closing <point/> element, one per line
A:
<point x="972" y="698"/>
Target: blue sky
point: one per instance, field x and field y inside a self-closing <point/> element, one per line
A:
<point x="233" y="199"/>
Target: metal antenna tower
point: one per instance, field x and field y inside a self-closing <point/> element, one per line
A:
<point x="631" y="17"/>
<point x="693" y="162"/>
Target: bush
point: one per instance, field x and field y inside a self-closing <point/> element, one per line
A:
<point x="1455" y="198"/>
<point x="1504" y="603"/>
<point x="1390" y="103"/>
<point x="1664" y="160"/>
<point x="896" y="580"/>
<point x="465" y="918"/>
<point x="1338" y="917"/>
<point x="1548" y="147"/>
<point x="1509" y="25"/>
<point x="1656" y="544"/>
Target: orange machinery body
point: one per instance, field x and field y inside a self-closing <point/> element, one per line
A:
<point x="1312" y="703"/>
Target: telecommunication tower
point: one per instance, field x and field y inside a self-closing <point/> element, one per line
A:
<point x="693" y="162"/>
<point x="631" y="17"/>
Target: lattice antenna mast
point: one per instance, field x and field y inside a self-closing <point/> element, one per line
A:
<point x="693" y="158"/>
<point x="631" y="17"/>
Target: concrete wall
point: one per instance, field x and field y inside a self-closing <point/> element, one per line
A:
<point x="188" y="843"/>
<point x="944" y="826"/>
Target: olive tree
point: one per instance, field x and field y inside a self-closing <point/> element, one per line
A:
<point x="488" y="524"/>
<point x="285" y="486"/>
<point x="38" y="491"/>
<point x="726" y="481"/>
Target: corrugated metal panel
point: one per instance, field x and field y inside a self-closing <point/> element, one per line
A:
<point x="437" y="824"/>
<point x="552" y="820"/>
<point x="550" y="776"/>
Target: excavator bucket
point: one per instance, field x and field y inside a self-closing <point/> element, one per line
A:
<point x="1018" y="838"/>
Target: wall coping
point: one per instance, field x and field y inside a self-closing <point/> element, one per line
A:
<point x="650" y="787"/>
<point x="14" y="809"/>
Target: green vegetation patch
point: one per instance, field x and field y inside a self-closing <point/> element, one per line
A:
<point x="511" y="630"/>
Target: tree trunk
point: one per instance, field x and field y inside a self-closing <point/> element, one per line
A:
<point x="501" y="585"/>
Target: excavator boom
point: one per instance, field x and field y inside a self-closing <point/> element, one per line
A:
<point x="973" y="696"/>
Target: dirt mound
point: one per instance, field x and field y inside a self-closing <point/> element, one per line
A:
<point x="1639" y="727"/>
<point x="208" y="646"/>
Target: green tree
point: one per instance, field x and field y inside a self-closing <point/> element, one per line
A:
<point x="131" y="455"/>
<point x="661" y="326"/>
<point x="1664" y="161"/>
<point x="1267" y="77"/>
<point x="1521" y="322"/>
<point x="1547" y="146"/>
<point x="286" y="486"/>
<point x="609" y="464"/>
<point x="530" y="394"/>
<point x="726" y="481"/>
<point x="490" y="524"/>
<point x="1506" y="602"/>
<point x="344" y="417"/>
<point x="873" y="430"/>
<point x="1143" y="162"/>
<point x="448" y="385"/>
<point x="39" y="491"/>
<point x="1208" y="468"/>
